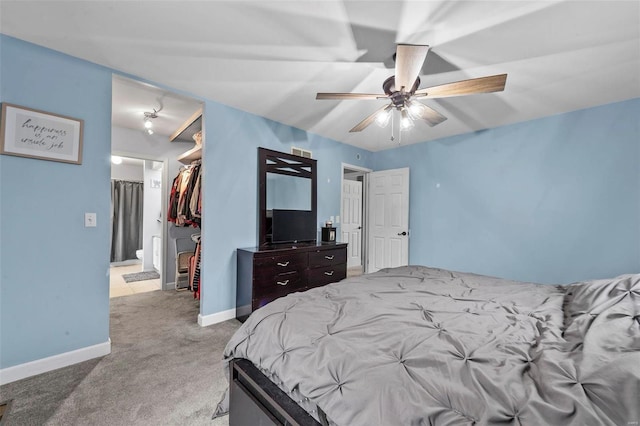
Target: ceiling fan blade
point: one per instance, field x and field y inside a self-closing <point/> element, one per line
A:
<point x="418" y="110"/>
<point x="350" y="96"/>
<point x="493" y="83"/>
<point x="409" y="61"/>
<point x="370" y="119"/>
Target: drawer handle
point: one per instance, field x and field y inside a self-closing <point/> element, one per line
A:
<point x="283" y="263"/>
<point x="329" y="273"/>
<point x="285" y="282"/>
<point x="329" y="257"/>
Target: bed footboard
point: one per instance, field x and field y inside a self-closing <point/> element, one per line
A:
<point x="256" y="400"/>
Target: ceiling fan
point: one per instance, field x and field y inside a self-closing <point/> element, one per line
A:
<point x="402" y="90"/>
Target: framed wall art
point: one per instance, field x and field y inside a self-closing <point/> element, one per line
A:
<point x="26" y="132"/>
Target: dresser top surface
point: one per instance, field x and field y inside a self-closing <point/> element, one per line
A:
<point x="289" y="247"/>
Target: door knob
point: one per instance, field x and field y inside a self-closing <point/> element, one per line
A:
<point x="359" y="227"/>
<point x="402" y="233"/>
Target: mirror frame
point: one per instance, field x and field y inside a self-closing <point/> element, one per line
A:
<point x="270" y="161"/>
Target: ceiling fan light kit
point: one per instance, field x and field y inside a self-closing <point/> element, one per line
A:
<point x="415" y="109"/>
<point x="383" y="117"/>
<point x="404" y="85"/>
<point x="406" y="123"/>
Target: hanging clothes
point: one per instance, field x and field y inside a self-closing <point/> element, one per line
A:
<point x="194" y="272"/>
<point x="185" y="209"/>
<point x="184" y="199"/>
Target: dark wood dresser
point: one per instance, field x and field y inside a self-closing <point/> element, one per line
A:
<point x="264" y="274"/>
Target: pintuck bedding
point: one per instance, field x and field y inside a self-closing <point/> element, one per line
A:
<point x="423" y="346"/>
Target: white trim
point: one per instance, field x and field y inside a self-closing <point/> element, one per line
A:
<point x="39" y="366"/>
<point x="207" y="320"/>
<point x="358" y="168"/>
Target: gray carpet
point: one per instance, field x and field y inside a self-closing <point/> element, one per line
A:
<point x="164" y="369"/>
<point x="140" y="276"/>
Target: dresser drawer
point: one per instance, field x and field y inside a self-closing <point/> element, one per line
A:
<point x="327" y="257"/>
<point x="327" y="274"/>
<point x="279" y="286"/>
<point x="278" y="283"/>
<point x="282" y="262"/>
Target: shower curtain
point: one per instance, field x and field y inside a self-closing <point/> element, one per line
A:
<point x="126" y="219"/>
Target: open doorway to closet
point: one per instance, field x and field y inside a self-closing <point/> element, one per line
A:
<point x="154" y="135"/>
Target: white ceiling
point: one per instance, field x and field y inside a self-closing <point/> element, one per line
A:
<point x="131" y="99"/>
<point x="271" y="57"/>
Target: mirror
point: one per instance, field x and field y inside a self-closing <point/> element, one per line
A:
<point x="287" y="182"/>
<point x="288" y="192"/>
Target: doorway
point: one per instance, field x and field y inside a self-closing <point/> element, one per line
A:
<point x="157" y="127"/>
<point x="353" y="216"/>
<point x="375" y="218"/>
<point x="137" y="188"/>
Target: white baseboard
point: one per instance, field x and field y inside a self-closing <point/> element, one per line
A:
<point x="206" y="320"/>
<point x="39" y="366"/>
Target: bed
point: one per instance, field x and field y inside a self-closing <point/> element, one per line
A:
<point x="425" y="346"/>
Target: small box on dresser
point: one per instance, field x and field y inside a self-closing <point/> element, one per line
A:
<point x="265" y="274"/>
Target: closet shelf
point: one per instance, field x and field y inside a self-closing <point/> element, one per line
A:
<point x="190" y="127"/>
<point x="185" y="134"/>
<point x="193" y="154"/>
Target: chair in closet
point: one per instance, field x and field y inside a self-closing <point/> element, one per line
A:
<point x="185" y="248"/>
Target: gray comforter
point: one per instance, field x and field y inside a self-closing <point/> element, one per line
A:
<point x="422" y="346"/>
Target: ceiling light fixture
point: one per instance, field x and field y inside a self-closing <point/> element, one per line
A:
<point x="116" y="160"/>
<point x="406" y="123"/>
<point x="415" y="109"/>
<point x="148" y="120"/>
<point x="383" y="117"/>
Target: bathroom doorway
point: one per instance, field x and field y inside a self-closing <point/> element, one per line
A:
<point x="136" y="225"/>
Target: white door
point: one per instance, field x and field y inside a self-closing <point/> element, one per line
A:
<point x="388" y="219"/>
<point x="352" y="221"/>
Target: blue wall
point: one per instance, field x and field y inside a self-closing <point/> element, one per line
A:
<point x="553" y="200"/>
<point x="54" y="288"/>
<point x="230" y="188"/>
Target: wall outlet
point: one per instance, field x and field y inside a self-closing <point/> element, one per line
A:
<point x="90" y="220"/>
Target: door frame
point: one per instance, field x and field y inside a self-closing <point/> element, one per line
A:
<point x="365" y="211"/>
<point x="164" y="200"/>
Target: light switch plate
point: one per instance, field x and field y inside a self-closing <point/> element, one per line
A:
<point x="90" y="220"/>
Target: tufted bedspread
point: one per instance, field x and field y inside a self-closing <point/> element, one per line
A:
<point x="423" y="346"/>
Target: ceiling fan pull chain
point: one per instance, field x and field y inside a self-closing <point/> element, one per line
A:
<point x="392" y="115"/>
